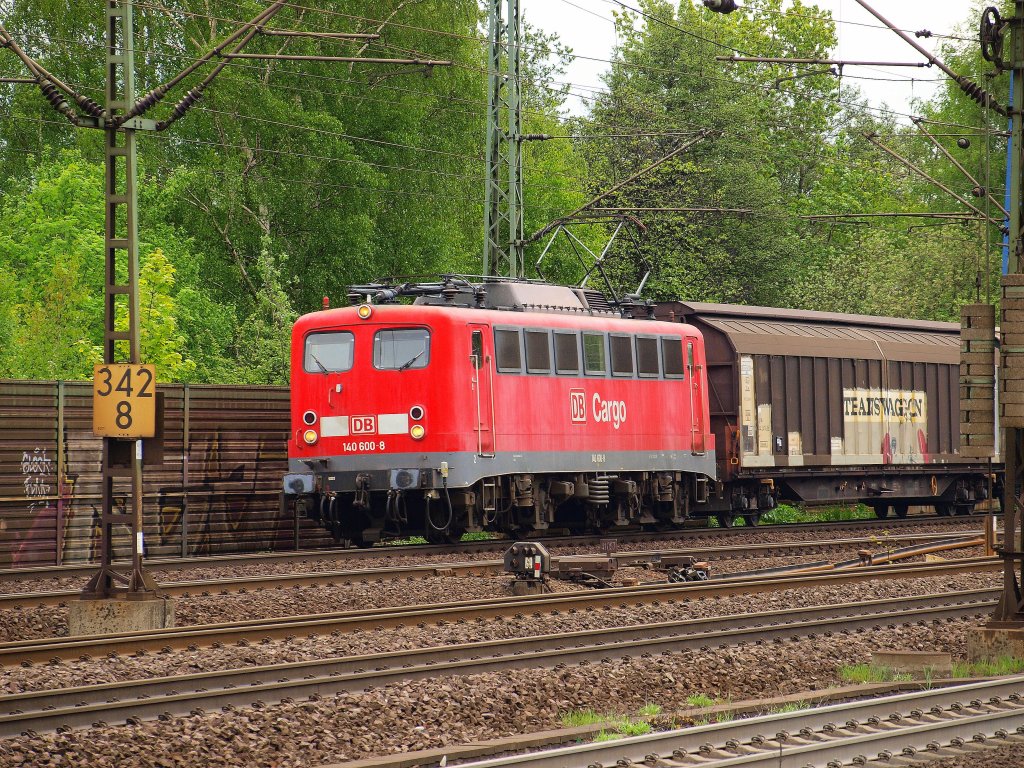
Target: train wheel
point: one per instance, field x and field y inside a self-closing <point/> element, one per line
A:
<point x="727" y="520"/>
<point x="753" y="518"/>
<point x="322" y="509"/>
<point x="334" y="519"/>
<point x="944" y="509"/>
<point x="447" y="536"/>
<point x="881" y="510"/>
<point x="901" y="510"/>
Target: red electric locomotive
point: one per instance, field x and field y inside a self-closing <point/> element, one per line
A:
<point x="505" y="405"/>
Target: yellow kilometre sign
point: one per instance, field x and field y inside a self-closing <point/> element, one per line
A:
<point x="124" y="400"/>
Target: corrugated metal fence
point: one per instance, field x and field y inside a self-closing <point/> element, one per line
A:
<point x="217" y="490"/>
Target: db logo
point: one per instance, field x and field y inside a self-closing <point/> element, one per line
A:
<point x="364" y="425"/>
<point x="578" y="405"/>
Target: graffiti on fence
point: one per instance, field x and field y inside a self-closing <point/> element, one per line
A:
<point x="232" y="457"/>
<point x="226" y="503"/>
<point x="36" y="470"/>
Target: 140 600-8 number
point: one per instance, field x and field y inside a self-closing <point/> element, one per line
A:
<point x="363" y="445"/>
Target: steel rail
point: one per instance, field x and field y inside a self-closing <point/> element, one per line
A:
<point x="81" y="706"/>
<point x="242" y="584"/>
<point x="289" y="627"/>
<point x="906" y="725"/>
<point x="493" y="545"/>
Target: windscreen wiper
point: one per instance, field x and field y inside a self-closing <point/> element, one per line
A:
<point x="411" y="360"/>
<point x="320" y="365"/>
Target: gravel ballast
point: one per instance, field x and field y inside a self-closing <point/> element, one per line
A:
<point x="16" y="679"/>
<point x="29" y="623"/>
<point x="435" y="713"/>
<point x="394" y="557"/>
<point x="1008" y="756"/>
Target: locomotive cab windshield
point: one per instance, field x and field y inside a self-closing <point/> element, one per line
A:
<point x="400" y="349"/>
<point x="331" y="352"/>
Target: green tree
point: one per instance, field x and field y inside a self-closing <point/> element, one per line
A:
<point x="51" y="259"/>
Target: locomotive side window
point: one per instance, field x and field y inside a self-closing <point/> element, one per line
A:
<point x="507" y="354"/>
<point x="401" y="348"/>
<point x="672" y="354"/>
<point x="328" y="352"/>
<point x="647" y="356"/>
<point x="567" y="353"/>
<point x="593" y="353"/>
<point x="477" y="349"/>
<point x="538" y="352"/>
<point x="622" y="355"/>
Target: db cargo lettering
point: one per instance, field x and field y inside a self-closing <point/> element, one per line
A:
<point x="609" y="411"/>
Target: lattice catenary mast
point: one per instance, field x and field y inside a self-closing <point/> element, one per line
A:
<point x="503" y="197"/>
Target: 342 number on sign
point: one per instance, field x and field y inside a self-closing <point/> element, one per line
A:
<point x="124" y="400"/>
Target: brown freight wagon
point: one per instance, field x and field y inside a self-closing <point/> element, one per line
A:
<point x="825" y="408"/>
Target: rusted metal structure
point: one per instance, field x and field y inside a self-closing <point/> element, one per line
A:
<point x="977" y="381"/>
<point x="120" y="461"/>
<point x="216" y="489"/>
<point x="822" y="407"/>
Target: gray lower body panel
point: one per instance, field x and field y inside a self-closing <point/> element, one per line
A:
<point x="465" y="469"/>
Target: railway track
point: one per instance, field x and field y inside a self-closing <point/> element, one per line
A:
<point x="48" y="649"/>
<point x="904" y="729"/>
<point x="894" y="529"/>
<point x="207" y="587"/>
<point x="195" y="693"/>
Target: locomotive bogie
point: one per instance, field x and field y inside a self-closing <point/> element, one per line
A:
<point x="516" y="504"/>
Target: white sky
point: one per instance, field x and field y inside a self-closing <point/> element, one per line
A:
<point x="585" y="26"/>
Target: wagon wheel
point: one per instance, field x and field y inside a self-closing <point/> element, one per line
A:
<point x="944" y="508"/>
<point x="754" y="518"/>
<point x="727" y="519"/>
<point x="901" y="510"/>
<point x="451" y="535"/>
<point x="881" y="510"/>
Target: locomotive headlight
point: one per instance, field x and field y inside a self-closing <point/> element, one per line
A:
<point x="416" y="432"/>
<point x="310" y="436"/>
<point x="364" y="311"/>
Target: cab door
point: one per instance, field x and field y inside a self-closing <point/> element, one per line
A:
<point x="481" y="358"/>
<point x="695" y="374"/>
